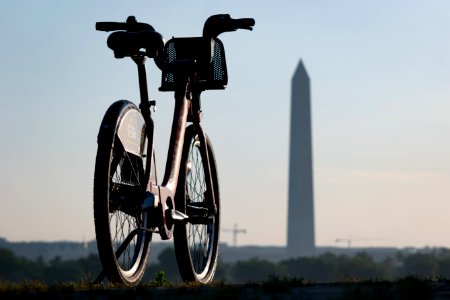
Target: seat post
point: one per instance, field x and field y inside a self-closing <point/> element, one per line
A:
<point x="140" y="62"/>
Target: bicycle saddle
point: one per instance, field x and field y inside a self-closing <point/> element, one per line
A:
<point x="130" y="37"/>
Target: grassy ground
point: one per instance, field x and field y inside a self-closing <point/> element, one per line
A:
<point x="274" y="288"/>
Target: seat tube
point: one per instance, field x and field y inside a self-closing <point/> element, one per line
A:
<point x="140" y="62"/>
<point x="146" y="114"/>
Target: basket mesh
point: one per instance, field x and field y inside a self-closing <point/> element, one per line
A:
<point x="212" y="74"/>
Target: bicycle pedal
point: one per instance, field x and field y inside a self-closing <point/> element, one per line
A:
<point x="175" y="215"/>
<point x="197" y="220"/>
<point x="196" y="209"/>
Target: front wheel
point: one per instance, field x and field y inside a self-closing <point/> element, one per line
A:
<point x="196" y="241"/>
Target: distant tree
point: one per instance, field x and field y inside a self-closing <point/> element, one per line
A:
<point x="443" y="263"/>
<point x="330" y="267"/>
<point x="254" y="270"/>
<point x="90" y="266"/>
<point x="13" y="268"/>
<point x="419" y="264"/>
<point x="320" y="268"/>
<point x="444" y="267"/>
<point x="361" y="266"/>
<point x="8" y="263"/>
<point x="61" y="271"/>
<point x="389" y="265"/>
<point x="223" y="271"/>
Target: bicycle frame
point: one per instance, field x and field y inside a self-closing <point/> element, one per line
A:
<point x="187" y="109"/>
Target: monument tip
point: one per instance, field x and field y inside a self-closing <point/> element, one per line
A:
<point x="300" y="72"/>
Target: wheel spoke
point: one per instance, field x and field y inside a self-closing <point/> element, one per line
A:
<point x="126" y="175"/>
<point x="198" y="234"/>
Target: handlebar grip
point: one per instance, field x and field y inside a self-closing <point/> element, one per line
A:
<point x="131" y="25"/>
<point x="244" y="23"/>
<point x="110" y="26"/>
<point x="218" y="24"/>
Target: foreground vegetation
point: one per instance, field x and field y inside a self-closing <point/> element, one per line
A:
<point x="327" y="276"/>
<point x="323" y="268"/>
<point x="407" y="288"/>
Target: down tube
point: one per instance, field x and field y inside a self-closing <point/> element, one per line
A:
<point x="176" y="142"/>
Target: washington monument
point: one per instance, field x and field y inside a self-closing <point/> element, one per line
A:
<point x="300" y="239"/>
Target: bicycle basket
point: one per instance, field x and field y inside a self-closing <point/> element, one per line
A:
<point x="212" y="72"/>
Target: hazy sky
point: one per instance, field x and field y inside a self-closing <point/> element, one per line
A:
<point x="380" y="83"/>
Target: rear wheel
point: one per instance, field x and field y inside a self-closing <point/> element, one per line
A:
<point x="119" y="189"/>
<point x="196" y="242"/>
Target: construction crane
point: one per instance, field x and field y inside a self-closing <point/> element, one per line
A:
<point x="235" y="232"/>
<point x="349" y="240"/>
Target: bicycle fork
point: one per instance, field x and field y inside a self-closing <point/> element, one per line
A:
<point x="196" y="117"/>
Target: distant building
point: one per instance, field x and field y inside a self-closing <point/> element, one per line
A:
<point x="300" y="237"/>
<point x="47" y="251"/>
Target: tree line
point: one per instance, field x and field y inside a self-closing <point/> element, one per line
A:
<point x="326" y="267"/>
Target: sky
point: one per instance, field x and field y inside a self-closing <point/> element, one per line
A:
<point x="379" y="71"/>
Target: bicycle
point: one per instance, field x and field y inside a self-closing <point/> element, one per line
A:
<point x="129" y="204"/>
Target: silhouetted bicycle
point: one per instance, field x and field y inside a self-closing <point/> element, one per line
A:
<point x="129" y="205"/>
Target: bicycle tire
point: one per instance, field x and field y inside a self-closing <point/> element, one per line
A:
<point x="196" y="245"/>
<point x="118" y="187"/>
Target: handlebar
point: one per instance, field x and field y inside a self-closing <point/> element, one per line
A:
<point x="131" y="36"/>
<point x="131" y="25"/>
<point x="218" y="24"/>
